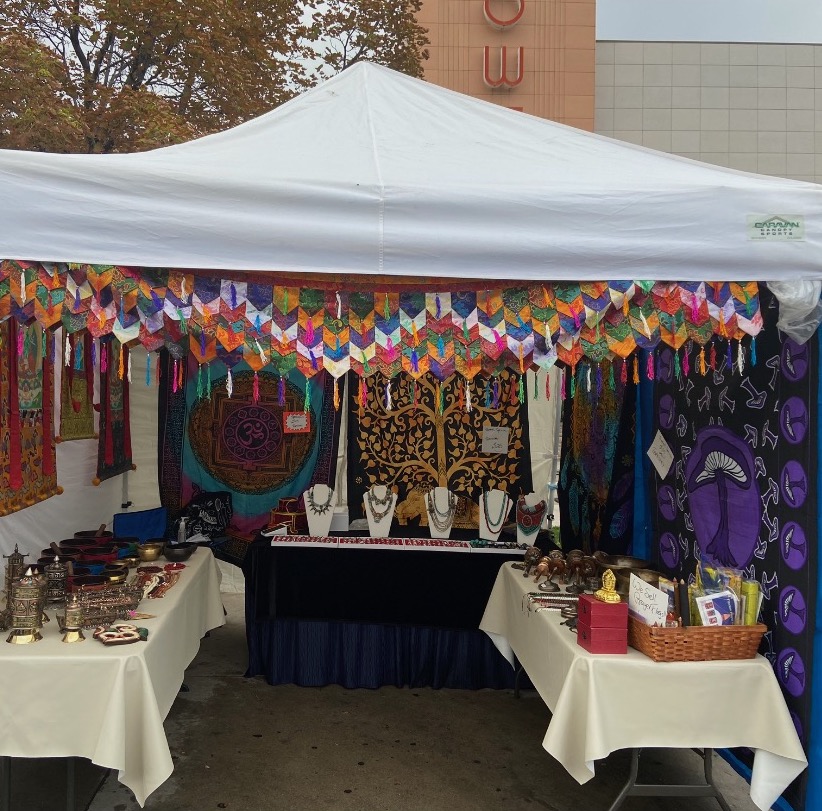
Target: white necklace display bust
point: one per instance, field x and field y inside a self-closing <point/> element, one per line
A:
<point x="379" y="502"/>
<point x="441" y="506"/>
<point x="319" y="509"/>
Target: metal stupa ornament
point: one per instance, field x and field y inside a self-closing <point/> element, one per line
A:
<point x="26" y="609"/>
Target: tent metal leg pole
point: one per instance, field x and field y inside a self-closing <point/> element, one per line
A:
<point x="5" y="783"/>
<point x="71" y="783"/>
<point x="520" y="671"/>
<point x="634" y="789"/>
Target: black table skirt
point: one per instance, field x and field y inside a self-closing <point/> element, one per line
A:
<point x="368" y="618"/>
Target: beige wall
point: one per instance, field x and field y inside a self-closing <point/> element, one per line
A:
<point x="558" y="41"/>
<point x="755" y="107"/>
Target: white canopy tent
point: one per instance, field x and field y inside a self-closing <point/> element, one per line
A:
<point x="377" y="173"/>
<point x="373" y="172"/>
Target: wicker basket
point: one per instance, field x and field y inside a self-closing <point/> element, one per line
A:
<point x="695" y="643"/>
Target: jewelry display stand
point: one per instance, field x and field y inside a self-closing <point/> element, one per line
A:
<point x="379" y="504"/>
<point x="494" y="508"/>
<point x="441" y="506"/>
<point x="529" y="518"/>
<point x="319" y="509"/>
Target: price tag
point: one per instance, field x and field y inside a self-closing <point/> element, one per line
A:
<point x="296" y="422"/>
<point x="661" y="455"/>
<point x="647" y="602"/>
<point x="495" y="440"/>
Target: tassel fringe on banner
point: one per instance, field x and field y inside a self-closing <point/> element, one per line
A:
<point x="229" y="384"/>
<point x="255" y="392"/>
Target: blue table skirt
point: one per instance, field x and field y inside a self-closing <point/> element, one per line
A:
<point x="313" y="653"/>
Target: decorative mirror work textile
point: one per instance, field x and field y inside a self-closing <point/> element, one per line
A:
<point x="211" y="440"/>
<point x="596" y="482"/>
<point x="741" y="489"/>
<point x="77" y="388"/>
<point x="412" y="325"/>
<point x="427" y="438"/>
<point x="27" y="459"/>
<point x="114" y="448"/>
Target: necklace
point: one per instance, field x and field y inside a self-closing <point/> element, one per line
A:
<point x="495" y="525"/>
<point x="529" y="519"/>
<point x="441" y="520"/>
<point x="373" y="502"/>
<point x="319" y="509"/>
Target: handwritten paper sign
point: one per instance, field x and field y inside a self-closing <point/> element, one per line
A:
<point x="647" y="602"/>
<point x="661" y="455"/>
<point x="495" y="440"/>
<point x="296" y="422"/>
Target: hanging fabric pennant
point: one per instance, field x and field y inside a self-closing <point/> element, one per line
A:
<point x="721" y="310"/>
<point x="745" y="296"/>
<point x="77" y="388"/>
<point x="336" y="359"/>
<point x="668" y="303"/>
<point x="310" y="332"/>
<point x="440" y="335"/>
<point x="491" y="316"/>
<point x="5" y="289"/>
<point x="23" y="289"/>
<point x="284" y="328"/>
<point x="697" y="319"/>
<point x="258" y="309"/>
<point x="644" y="321"/>
<point x="545" y="324"/>
<point x="570" y="309"/>
<point x="466" y="334"/>
<point x="414" y="333"/>
<point x="519" y="333"/>
<point x="619" y="333"/>
<point x="387" y="334"/>
<point x="361" y="332"/>
<point x="77" y="299"/>
<point x="49" y="293"/>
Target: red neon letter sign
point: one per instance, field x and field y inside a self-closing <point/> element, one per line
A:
<point x="503" y="80"/>
<point x="496" y="22"/>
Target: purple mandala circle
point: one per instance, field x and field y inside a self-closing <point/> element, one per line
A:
<point x="793" y="545"/>
<point x="793" y="420"/>
<point x="790" y="670"/>
<point x="794" y="360"/>
<point x="252" y="433"/>
<point x="793" y="611"/>
<point x="667" y="411"/>
<point x="794" y="484"/>
<point x="669" y="550"/>
<point x="723" y="495"/>
<point x="666" y="499"/>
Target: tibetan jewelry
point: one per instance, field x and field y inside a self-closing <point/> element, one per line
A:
<point x="319" y="509"/>
<point x="441" y="520"/>
<point x="374" y="503"/>
<point x="529" y="519"/>
<point x="496" y="524"/>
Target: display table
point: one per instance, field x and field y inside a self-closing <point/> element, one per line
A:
<point x="108" y="704"/>
<point x="366" y="612"/>
<point x="602" y="703"/>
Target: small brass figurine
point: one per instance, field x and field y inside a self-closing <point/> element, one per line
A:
<point x="608" y="592"/>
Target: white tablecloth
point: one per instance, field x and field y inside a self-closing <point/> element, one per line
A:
<point x="602" y="703"/>
<point x="108" y="703"/>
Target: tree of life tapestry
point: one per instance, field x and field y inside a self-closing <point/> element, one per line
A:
<point x="428" y="438"/>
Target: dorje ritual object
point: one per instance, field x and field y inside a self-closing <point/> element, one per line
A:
<point x="123" y="634"/>
<point x="608" y="592"/>
<point x="495" y="524"/>
<point x="72" y="623"/>
<point x="379" y="507"/>
<point x="529" y="519"/>
<point x="318" y="509"/>
<point x="441" y="520"/>
<point x="27" y="598"/>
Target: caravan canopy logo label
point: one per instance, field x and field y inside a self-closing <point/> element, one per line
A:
<point x="774" y="227"/>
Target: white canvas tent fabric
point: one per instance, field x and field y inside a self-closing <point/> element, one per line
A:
<point x="373" y="172"/>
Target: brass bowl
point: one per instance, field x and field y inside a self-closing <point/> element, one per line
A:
<point x="615" y="562"/>
<point x="149" y="551"/>
<point x="623" y="578"/>
<point x="132" y="561"/>
<point x="120" y="576"/>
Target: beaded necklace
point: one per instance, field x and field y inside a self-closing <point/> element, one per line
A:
<point x="441" y="520"/>
<point x="495" y="525"/>
<point x="373" y="502"/>
<point x="529" y="519"/>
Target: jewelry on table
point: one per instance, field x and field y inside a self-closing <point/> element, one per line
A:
<point x="374" y="503"/>
<point x="495" y="525"/>
<point x="529" y="519"/>
<point x="318" y="509"/>
<point x="441" y="520"/>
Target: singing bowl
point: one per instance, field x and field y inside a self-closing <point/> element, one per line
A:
<point x="149" y="551"/>
<point x="94" y="535"/>
<point x="623" y="578"/>
<point x="179" y="552"/>
<point x="115" y="573"/>
<point x="87" y="582"/>
<point x="615" y="562"/>
<point x="75" y="544"/>
<point x="126" y="546"/>
<point x="132" y="561"/>
<point x="65" y="555"/>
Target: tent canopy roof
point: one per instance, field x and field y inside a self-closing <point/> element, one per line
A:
<point x="374" y="172"/>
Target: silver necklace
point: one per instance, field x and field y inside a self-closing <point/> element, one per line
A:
<point x="319" y="509"/>
<point x="374" y="503"/>
<point x="441" y="520"/>
<point x="496" y="525"/>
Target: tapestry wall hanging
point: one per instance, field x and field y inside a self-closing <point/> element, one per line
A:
<point x="596" y="481"/>
<point x="27" y="459"/>
<point x="741" y="489"/>
<point x="415" y="435"/>
<point x="219" y="437"/>
<point x="77" y="388"/>
<point x="114" y="448"/>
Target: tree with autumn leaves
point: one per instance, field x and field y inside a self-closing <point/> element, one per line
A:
<point x="130" y="75"/>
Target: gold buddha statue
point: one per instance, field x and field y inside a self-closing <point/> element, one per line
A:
<point x="608" y="592"/>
